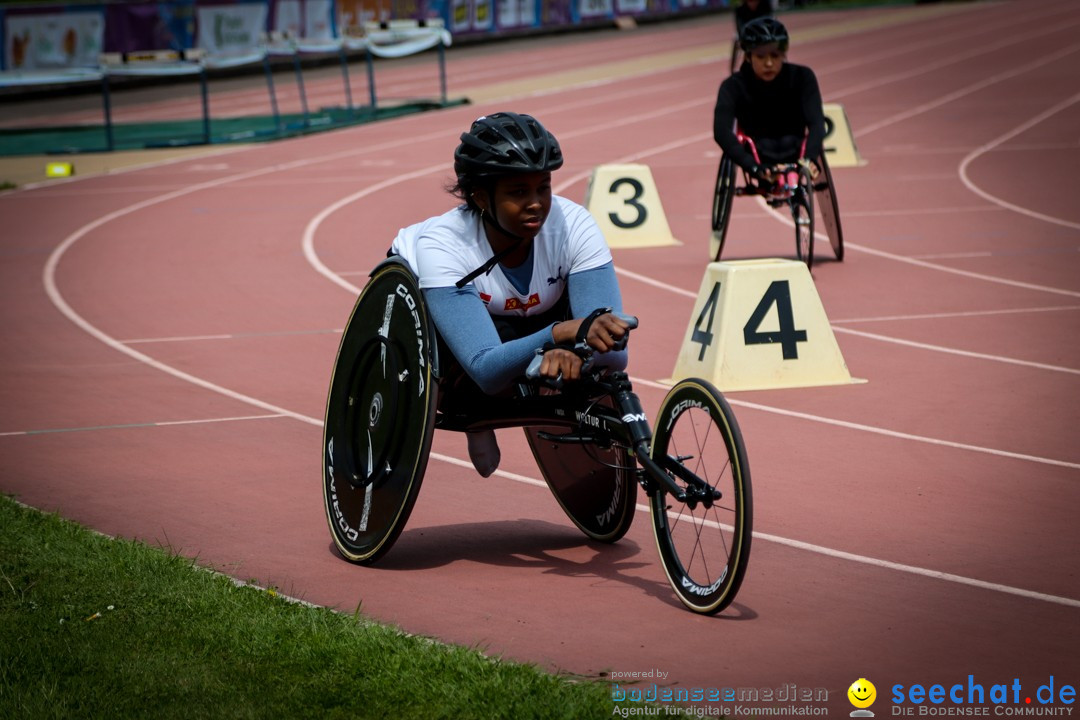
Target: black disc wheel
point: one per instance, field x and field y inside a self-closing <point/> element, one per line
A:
<point x="380" y="416"/>
<point x="704" y="539"/>
<point x="595" y="487"/>
<point x="722" y="200"/>
<point x="802" y="212"/>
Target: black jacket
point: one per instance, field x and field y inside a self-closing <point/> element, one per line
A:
<point x="788" y="108"/>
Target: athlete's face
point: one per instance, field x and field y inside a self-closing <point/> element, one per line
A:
<point x="522" y="203"/>
<point x="767" y="61"/>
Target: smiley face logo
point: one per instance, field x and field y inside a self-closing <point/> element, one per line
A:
<point x="862" y="693"/>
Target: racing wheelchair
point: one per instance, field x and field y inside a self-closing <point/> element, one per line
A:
<point x="590" y="438"/>
<point x="795" y="189"/>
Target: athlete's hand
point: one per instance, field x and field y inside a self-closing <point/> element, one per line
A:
<point x="605" y="332"/>
<point x="558" y="362"/>
<point x="811" y="166"/>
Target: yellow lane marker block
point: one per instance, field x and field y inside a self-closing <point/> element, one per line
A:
<point x="840" y="142"/>
<point x="757" y="325"/>
<point x="625" y="203"/>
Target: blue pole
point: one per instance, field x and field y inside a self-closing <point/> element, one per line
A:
<point x="345" y="75"/>
<point x="300" y="85"/>
<point x="205" y="105"/>
<point x="108" y="110"/>
<point x="371" y="77"/>
<point x="442" y="70"/>
<point x="273" y="95"/>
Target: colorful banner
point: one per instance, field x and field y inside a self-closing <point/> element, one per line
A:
<point x="483" y="12"/>
<point x="54" y="40"/>
<point x="130" y="27"/>
<point x="34" y="38"/>
<point x="591" y="9"/>
<point x="516" y="13"/>
<point x="354" y="13"/>
<point x="308" y="19"/>
<point x="230" y="28"/>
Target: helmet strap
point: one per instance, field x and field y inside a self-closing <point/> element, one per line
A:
<point x="489" y="219"/>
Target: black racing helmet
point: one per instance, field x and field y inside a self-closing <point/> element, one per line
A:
<point x="762" y="31"/>
<point x="506" y="143"/>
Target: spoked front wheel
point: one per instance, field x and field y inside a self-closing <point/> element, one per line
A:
<point x="802" y="212"/>
<point x="704" y="541"/>
<point x="723" y="196"/>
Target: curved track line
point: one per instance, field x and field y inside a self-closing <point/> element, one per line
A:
<point x="998" y="141"/>
<point x="957" y="94"/>
<point x="307" y="241"/>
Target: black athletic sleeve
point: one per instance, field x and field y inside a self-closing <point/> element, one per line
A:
<point x="814" y="114"/>
<point x="724" y="124"/>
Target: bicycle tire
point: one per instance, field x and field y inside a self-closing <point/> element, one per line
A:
<point x="802" y="212"/>
<point x="723" y="196"/>
<point x="830" y="210"/>
<point x="704" y="550"/>
<point x="380" y="415"/>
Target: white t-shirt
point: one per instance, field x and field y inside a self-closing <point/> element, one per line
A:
<point x="446" y="248"/>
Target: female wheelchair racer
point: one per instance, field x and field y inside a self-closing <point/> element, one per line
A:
<point x="469" y="326"/>
<point x="769" y="122"/>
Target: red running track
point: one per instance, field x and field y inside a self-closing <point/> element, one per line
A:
<point x="169" y="334"/>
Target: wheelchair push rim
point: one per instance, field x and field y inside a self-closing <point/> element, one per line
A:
<point x="830" y="210"/>
<point x="802" y="213"/>
<point x="723" y="196"/>
<point x="704" y="547"/>
<point x="379" y="416"/>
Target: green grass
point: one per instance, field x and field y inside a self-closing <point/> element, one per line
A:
<point x="92" y="627"/>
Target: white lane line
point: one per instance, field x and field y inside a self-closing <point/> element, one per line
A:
<point x="962" y="273"/>
<point x="778" y="214"/>
<point x="953" y="351"/>
<point x="926" y="211"/>
<point x="124" y="426"/>
<point x="982" y="150"/>
<point x="945" y="316"/>
<point x="879" y="430"/>
<point x="228" y="336"/>
<point x="924" y="572"/>
<point x="826" y="551"/>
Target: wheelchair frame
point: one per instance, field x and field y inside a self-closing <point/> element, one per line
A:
<point x="795" y="189"/>
<point x="591" y="439"/>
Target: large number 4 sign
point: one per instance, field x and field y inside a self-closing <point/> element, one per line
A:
<point x="787" y="336"/>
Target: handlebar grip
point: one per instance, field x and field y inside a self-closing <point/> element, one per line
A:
<point x="533" y="372"/>
<point x="630" y="320"/>
<point x="632" y="323"/>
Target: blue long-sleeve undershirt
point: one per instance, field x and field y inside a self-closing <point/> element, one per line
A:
<point x="466" y="327"/>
